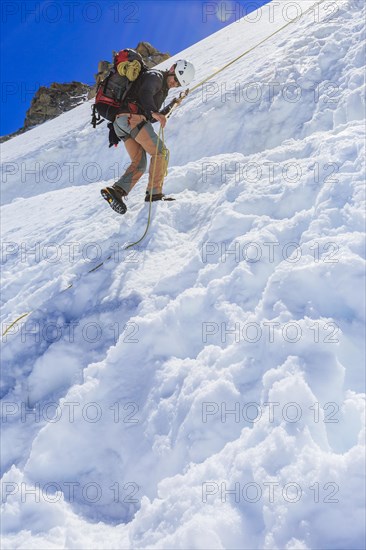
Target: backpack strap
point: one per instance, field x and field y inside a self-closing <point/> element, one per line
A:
<point x="128" y="88"/>
<point x="96" y="118"/>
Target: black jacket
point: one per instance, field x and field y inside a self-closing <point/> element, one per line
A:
<point x="149" y="92"/>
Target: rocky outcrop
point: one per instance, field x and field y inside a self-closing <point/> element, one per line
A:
<point x="50" y="102"/>
<point x="151" y="55"/>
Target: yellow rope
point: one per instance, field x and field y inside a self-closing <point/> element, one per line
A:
<point x="151" y="190"/>
<point x="16" y="320"/>
<point x="254" y="47"/>
<point x="161" y="132"/>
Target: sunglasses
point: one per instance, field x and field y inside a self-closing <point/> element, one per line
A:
<point x="175" y="78"/>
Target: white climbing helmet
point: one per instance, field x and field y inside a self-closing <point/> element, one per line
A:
<point x="184" y="71"/>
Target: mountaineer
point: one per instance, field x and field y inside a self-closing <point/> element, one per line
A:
<point x="139" y="109"/>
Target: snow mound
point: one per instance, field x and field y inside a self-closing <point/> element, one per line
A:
<point x="203" y="390"/>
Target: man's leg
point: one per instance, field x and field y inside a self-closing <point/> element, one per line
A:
<point x="148" y="140"/>
<point x="135" y="152"/>
<point x="135" y="169"/>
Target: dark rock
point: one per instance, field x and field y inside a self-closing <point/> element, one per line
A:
<point x="151" y="55"/>
<point x="51" y="102"/>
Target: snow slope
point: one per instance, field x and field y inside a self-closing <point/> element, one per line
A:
<point x="205" y="389"/>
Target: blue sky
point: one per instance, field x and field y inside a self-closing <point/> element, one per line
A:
<point x="47" y="41"/>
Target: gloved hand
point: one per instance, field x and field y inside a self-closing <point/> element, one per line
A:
<point x="113" y="138"/>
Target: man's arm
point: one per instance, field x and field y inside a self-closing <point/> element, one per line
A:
<point x="169" y="107"/>
<point x="162" y="114"/>
<point x="160" y="118"/>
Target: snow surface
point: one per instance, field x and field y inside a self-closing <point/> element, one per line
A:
<point x="205" y="389"/>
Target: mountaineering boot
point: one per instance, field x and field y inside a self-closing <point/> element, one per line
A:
<point x="157" y="197"/>
<point x="114" y="197"/>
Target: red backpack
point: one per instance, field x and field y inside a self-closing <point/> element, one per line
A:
<point x="113" y="90"/>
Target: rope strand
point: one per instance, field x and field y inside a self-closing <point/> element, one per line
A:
<point x="254" y="47"/>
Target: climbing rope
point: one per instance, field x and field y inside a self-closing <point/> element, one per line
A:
<point x="161" y="133"/>
<point x="161" y="138"/>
